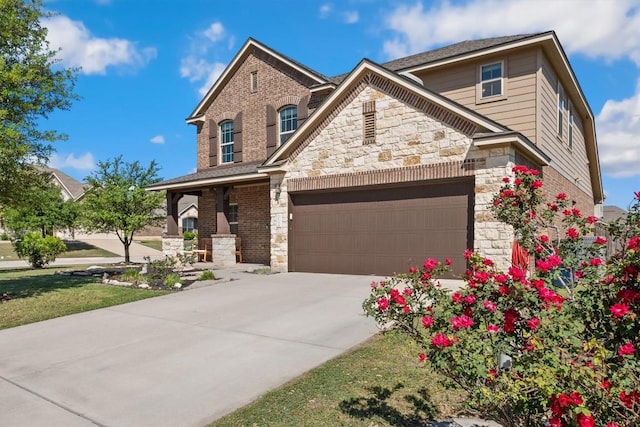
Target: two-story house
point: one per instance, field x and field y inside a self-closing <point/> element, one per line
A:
<point x="372" y="171"/>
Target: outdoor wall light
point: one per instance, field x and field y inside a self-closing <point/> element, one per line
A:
<point x="277" y="192"/>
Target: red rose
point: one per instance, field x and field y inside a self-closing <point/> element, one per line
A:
<point x="441" y="340"/>
<point x="422" y="357"/>
<point x="383" y="304"/>
<point x="533" y="323"/>
<point x="619" y="310"/>
<point x="427" y="321"/>
<point x="626" y="349"/>
<point x="586" y="420"/>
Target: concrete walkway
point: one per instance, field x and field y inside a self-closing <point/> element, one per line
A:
<point x="136" y="250"/>
<point x="183" y="359"/>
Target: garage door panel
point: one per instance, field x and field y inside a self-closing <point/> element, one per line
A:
<point x="380" y="231"/>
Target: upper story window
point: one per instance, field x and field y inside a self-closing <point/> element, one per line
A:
<point x="491" y="76"/>
<point x="561" y="102"/>
<point x="288" y="122"/>
<point x="226" y="141"/>
<point x="570" y="130"/>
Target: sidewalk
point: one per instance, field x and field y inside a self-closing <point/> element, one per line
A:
<point x="136" y="250"/>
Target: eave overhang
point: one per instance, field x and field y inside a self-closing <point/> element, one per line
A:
<point x="364" y="67"/>
<point x="516" y="140"/>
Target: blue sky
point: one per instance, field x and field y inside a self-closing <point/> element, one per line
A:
<point x="146" y="63"/>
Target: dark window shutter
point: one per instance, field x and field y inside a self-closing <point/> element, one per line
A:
<point x="237" y="138"/>
<point x="303" y="110"/>
<point x="272" y="130"/>
<point x="213" y="143"/>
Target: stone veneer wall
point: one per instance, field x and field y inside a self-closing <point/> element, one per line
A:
<point x="279" y="200"/>
<point x="223" y="248"/>
<point x="172" y="245"/>
<point x="405" y="137"/>
<point x="492" y="238"/>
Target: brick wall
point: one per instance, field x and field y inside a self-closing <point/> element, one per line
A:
<point x="276" y="86"/>
<point x="207" y="214"/>
<point x="253" y="222"/>
<point x="555" y="183"/>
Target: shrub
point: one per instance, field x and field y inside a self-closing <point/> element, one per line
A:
<point x="133" y="276"/>
<point x="526" y="353"/>
<point x="39" y="250"/>
<point x="207" y="275"/>
<point x="4" y="236"/>
<point x="158" y="270"/>
<point x="171" y="279"/>
<point x="189" y="235"/>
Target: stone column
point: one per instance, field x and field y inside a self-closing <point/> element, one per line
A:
<point x="223" y="248"/>
<point x="279" y="200"/>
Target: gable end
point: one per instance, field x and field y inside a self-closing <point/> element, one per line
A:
<point x="401" y="93"/>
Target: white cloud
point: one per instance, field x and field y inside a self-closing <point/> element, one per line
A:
<point x="158" y="139"/>
<point x="215" y="32"/>
<point x="325" y="10"/>
<point x="70" y="161"/>
<point x="199" y="70"/>
<point x="618" y="126"/>
<point x="351" y="17"/>
<point x="598" y="29"/>
<point x="94" y="54"/>
<point x="196" y="64"/>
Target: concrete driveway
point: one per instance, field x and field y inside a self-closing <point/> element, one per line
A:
<point x="179" y="360"/>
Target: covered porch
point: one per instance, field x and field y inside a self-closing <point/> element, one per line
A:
<point x="233" y="215"/>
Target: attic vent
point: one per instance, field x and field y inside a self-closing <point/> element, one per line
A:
<point x="369" y="122"/>
<point x="254" y="81"/>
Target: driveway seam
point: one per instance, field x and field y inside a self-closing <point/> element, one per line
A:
<point x="53" y="402"/>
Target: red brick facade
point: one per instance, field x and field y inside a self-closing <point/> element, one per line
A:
<point x="276" y="88"/>
<point x="254" y="223"/>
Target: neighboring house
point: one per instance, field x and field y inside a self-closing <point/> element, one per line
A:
<point x="372" y="171"/>
<point x="71" y="189"/>
<point x="188" y="214"/>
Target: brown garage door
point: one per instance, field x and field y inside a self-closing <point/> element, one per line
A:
<point x="380" y="231"/>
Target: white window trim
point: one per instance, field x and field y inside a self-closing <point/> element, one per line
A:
<point x="571" y="130"/>
<point x="503" y="79"/>
<point x="280" y="132"/>
<point x="222" y="162"/>
<point x="560" y="108"/>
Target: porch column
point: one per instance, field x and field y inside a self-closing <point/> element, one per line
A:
<point x="172" y="242"/>
<point x="172" y="213"/>
<point x="221" y="217"/>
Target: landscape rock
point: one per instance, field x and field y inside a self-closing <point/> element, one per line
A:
<point x="144" y="286"/>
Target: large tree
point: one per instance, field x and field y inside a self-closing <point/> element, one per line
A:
<point x="32" y="86"/>
<point x="116" y="200"/>
<point x="42" y="209"/>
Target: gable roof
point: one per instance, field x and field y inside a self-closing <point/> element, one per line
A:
<point x="369" y="67"/>
<point x="245" y="51"/>
<point x="72" y="187"/>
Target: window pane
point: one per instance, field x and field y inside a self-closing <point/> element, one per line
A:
<point x="493" y="71"/>
<point x="288" y="122"/>
<point x="226" y="141"/>
<point x="492" y="88"/>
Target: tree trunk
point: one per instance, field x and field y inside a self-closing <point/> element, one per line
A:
<point x="127" y="258"/>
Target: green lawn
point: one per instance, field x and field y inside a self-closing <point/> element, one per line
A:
<point x="74" y="250"/>
<point x="153" y="244"/>
<point x="39" y="295"/>
<point x="380" y="383"/>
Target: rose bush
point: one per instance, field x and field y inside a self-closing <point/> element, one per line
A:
<point x="557" y="345"/>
